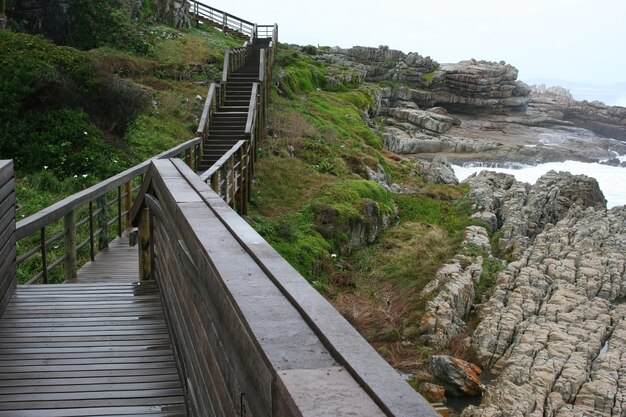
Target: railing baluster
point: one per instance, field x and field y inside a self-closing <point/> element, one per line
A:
<point x="92" y="251"/>
<point x="128" y="202"/>
<point x="119" y="211"/>
<point x="103" y="236"/>
<point x="44" y="260"/>
<point x="70" y="245"/>
<point x="231" y="180"/>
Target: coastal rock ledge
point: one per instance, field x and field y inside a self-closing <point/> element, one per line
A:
<point x="554" y="330"/>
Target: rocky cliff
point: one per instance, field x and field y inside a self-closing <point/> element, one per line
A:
<point x="554" y="328"/>
<point x="494" y="116"/>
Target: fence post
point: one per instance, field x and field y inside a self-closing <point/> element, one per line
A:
<point x="231" y="180"/>
<point x="44" y="259"/>
<point x="128" y="202"/>
<point x="69" y="223"/>
<point x="103" y="236"/>
<point x="145" y="261"/>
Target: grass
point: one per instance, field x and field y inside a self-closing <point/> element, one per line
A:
<point x="168" y="75"/>
<point x="311" y="195"/>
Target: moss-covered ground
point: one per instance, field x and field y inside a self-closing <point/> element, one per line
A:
<point x="311" y="176"/>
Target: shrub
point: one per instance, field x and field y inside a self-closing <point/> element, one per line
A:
<point x="98" y="23"/>
<point x="309" y="50"/>
<point x="62" y="141"/>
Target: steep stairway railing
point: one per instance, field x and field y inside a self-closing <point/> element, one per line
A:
<point x="222" y="20"/>
<point x="51" y="238"/>
<point x="253" y="62"/>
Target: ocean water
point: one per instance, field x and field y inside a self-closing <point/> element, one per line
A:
<point x="612" y="180"/>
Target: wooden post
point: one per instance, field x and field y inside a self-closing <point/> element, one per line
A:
<point x="92" y="249"/>
<point x="231" y="180"/>
<point x="103" y="236"/>
<point x="119" y="211"/>
<point x="70" y="245"/>
<point x="215" y="183"/>
<point x="128" y="202"/>
<point x="145" y="261"/>
<point x="44" y="259"/>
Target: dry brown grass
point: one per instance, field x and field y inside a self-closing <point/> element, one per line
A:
<point x="289" y="124"/>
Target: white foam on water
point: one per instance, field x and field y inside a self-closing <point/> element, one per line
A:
<point x="612" y="180"/>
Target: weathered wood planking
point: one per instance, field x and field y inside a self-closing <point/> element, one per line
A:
<point x="98" y="349"/>
<point x="242" y="342"/>
<point x="117" y="263"/>
<point x="7" y="233"/>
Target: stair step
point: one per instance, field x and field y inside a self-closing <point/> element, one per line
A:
<point x="235" y="109"/>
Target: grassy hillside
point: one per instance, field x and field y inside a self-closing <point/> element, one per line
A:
<point x="72" y="117"/>
<point x="312" y="195"/>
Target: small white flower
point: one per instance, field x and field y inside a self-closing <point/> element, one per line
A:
<point x="45" y="167"/>
<point x="85" y="133"/>
<point x="75" y="176"/>
<point x="85" y="175"/>
<point x="334" y="255"/>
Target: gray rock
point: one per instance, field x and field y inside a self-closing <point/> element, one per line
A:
<point x="554" y="329"/>
<point x="438" y="171"/>
<point x="452" y="291"/>
<point x="523" y="211"/>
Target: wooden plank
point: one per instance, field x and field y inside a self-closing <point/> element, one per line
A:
<point x="79" y="388"/>
<point x="129" y="411"/>
<point x="38" y="383"/>
<point x="86" y="350"/>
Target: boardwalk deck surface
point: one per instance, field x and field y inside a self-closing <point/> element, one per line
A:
<point x="97" y="347"/>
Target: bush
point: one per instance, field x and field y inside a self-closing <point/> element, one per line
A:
<point x="34" y="72"/>
<point x="61" y="141"/>
<point x="309" y="50"/>
<point x="104" y="23"/>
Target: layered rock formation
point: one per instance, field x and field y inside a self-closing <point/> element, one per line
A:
<point x="382" y="64"/>
<point x="554" y="329"/>
<point x="452" y="291"/>
<point x="522" y="211"/>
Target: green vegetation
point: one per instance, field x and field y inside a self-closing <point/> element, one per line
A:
<point x="427" y="77"/>
<point x="312" y="203"/>
<point x="82" y="116"/>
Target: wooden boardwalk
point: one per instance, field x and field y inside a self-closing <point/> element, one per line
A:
<point x="98" y="347"/>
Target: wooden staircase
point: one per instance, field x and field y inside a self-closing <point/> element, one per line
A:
<point x="227" y="125"/>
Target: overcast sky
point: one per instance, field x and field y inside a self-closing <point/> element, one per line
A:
<point x="574" y="40"/>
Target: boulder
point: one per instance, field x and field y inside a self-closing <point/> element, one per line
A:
<point x="523" y="211"/>
<point x="456" y="376"/>
<point x="432" y="121"/>
<point x="438" y="171"/>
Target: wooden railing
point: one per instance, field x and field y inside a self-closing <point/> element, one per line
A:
<point x="230" y="178"/>
<point x="251" y="335"/>
<point x="7" y="233"/>
<point x="210" y="106"/>
<point x="234" y="59"/>
<point x="220" y="19"/>
<point x="88" y="220"/>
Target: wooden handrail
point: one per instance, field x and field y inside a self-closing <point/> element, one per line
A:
<point x="252" y="109"/>
<point x="205" y="176"/>
<point x="98" y="213"/>
<point x="59" y="209"/>
<point x="213" y="9"/>
<point x="209" y="103"/>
